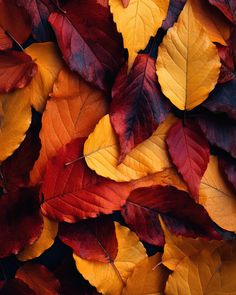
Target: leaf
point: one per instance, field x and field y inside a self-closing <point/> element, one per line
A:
<point x="73" y="192"/>
<point x="111" y="278"/>
<point x="72" y="111"/>
<point x="9" y="13"/>
<point x="20" y="220"/>
<point x="125" y="3"/>
<point x="181" y="214"/>
<point x="223" y="99"/>
<point x="136" y="117"/>
<point x="44" y="242"/>
<point x="227" y="63"/>
<point x="228" y="166"/>
<point x="5" y="41"/>
<point x="138" y="22"/>
<point x="147" y="278"/>
<point x="227" y="7"/>
<point x="39" y="278"/>
<point x="185" y="52"/>
<point x="219" y="131"/>
<point x="175" y="7"/>
<point x="217" y="197"/>
<point x="190" y="153"/>
<point x="16" y="70"/>
<point x="16" y="286"/>
<point x="101" y="153"/>
<point x="95" y="53"/>
<point x="39" y="11"/>
<point x="92" y="239"/>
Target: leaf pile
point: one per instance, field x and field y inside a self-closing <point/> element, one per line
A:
<point x="117" y="147"/>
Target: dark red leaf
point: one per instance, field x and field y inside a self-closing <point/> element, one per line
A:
<point x="92" y="239"/>
<point x="220" y="132"/>
<point x="5" y="41"/>
<point x="39" y="11"/>
<point x="15" y="20"/>
<point x="227" y="63"/>
<point x="16" y="70"/>
<point x="89" y="42"/>
<point x="182" y="214"/>
<point x="227" y="7"/>
<point x="16" y="287"/>
<point x="138" y="105"/>
<point x="175" y="7"/>
<point x="223" y="99"/>
<point x="125" y="3"/>
<point x="73" y="192"/>
<point x="228" y="166"/>
<point x="20" y="220"/>
<point x="190" y="153"/>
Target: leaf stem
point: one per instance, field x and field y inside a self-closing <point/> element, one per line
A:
<point x="14" y="40"/>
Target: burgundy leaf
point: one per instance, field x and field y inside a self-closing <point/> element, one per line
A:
<point x="227" y="7"/>
<point x="20" y="220"/>
<point x="190" y="153"/>
<point x="16" y="70"/>
<point x="5" y="41"/>
<point x="228" y="166"/>
<point x="227" y="63"/>
<point x="223" y="99"/>
<point x="182" y="214"/>
<point x="16" y="287"/>
<point x="175" y="7"/>
<point x="92" y="239"/>
<point x="138" y="105"/>
<point x="89" y="41"/>
<point x="220" y="132"/>
<point x="73" y="192"/>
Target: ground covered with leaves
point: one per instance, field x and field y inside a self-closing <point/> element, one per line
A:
<point x="117" y="147"/>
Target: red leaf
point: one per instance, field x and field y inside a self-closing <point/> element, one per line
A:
<point x="39" y="11"/>
<point x="182" y="214"/>
<point x="16" y="70"/>
<point x="175" y="7"/>
<point x="73" y="192"/>
<point x="5" y="41"/>
<point x="20" y="220"/>
<point x="92" y="239"/>
<point x="125" y="3"/>
<point x="227" y="63"/>
<point x="219" y="132"/>
<point x="138" y="105"/>
<point x="223" y="99"/>
<point x="16" y="287"/>
<point x="229" y="169"/>
<point x="89" y="41"/>
<point x="190" y="153"/>
<point x="227" y="7"/>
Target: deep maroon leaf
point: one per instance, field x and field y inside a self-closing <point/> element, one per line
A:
<point x="181" y="213"/>
<point x="227" y="7"/>
<point x="16" y="287"/>
<point x="73" y="192"/>
<point x="92" y="239"/>
<point x="16" y="70"/>
<point x="227" y="63"/>
<point x="190" y="153"/>
<point x="89" y="41"/>
<point x="228" y="166"/>
<point x="20" y="220"/>
<point x="223" y="99"/>
<point x="5" y="41"/>
<point x="138" y="105"/>
<point x="175" y="7"/>
<point x="220" y="132"/>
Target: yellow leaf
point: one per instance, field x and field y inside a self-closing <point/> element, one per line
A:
<point x="148" y="277"/>
<point x="110" y="278"/>
<point x="217" y="197"/>
<point x="188" y="64"/>
<point x="101" y="152"/>
<point x="43" y="243"/>
<point x="73" y="110"/>
<point x="138" y="22"/>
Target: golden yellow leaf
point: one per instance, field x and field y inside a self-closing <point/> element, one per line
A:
<point x="215" y="24"/>
<point x="110" y="278"/>
<point x="138" y="22"/>
<point x="188" y="64"/>
<point x="217" y="197"/>
<point x="148" y="277"/>
<point x="44" y="242"/>
<point x="73" y="110"/>
<point x="101" y="152"/>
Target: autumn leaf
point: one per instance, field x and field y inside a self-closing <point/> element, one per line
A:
<point x="227" y="63"/>
<point x="96" y="54"/>
<point x="92" y="239"/>
<point x="185" y="52"/>
<point x="190" y="153"/>
<point x="102" y="153"/>
<point x="138" y="22"/>
<point x="72" y="111"/>
<point x="227" y="7"/>
<point x="16" y="286"/>
<point x="110" y="278"/>
<point x="174" y="9"/>
<point x="135" y="118"/>
<point x="5" y="41"/>
<point x="72" y="191"/>
<point x="228" y="167"/>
